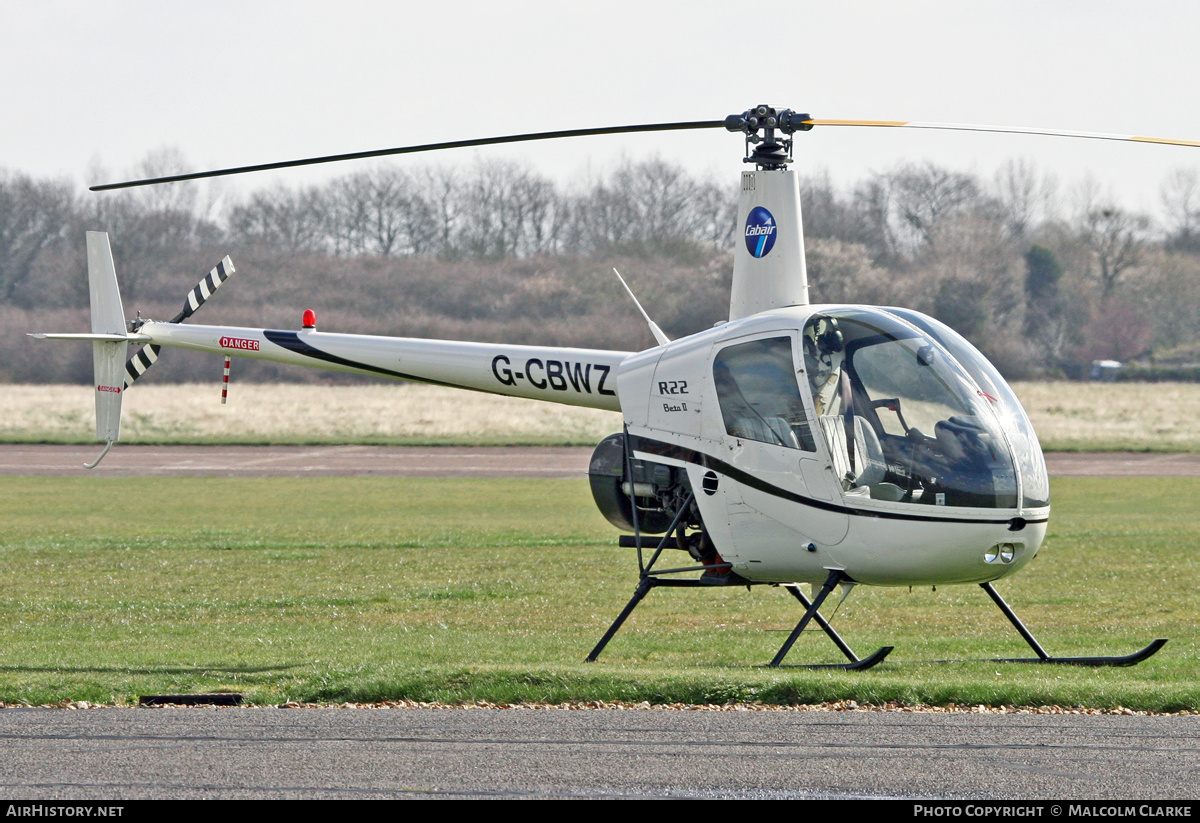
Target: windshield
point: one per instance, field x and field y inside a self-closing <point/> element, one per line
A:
<point x="1035" y="480"/>
<point x="904" y="423"/>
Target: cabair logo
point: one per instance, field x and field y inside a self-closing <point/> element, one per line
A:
<point x="239" y="343"/>
<point x="760" y="232"/>
<point x="113" y="389"/>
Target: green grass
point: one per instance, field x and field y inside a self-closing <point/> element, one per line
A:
<point x="460" y="590"/>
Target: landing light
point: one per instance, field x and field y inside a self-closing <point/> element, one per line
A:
<point x="1001" y="552"/>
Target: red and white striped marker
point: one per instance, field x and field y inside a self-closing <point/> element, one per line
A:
<point x="225" y="383"/>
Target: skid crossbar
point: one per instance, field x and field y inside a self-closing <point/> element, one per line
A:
<point x="856" y="663"/>
<point x="811" y="612"/>
<point x="649" y="582"/>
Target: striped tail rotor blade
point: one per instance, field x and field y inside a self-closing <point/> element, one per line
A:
<point x="136" y="366"/>
<point x="205" y="288"/>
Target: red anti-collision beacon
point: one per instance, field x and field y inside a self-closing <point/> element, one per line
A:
<point x="310" y="319"/>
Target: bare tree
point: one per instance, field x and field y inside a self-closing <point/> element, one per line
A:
<point x="828" y="214"/>
<point x="345" y="213"/>
<point x="380" y="212"/>
<point x="510" y="212"/>
<point x="840" y="272"/>
<point x="33" y="215"/>
<point x="927" y="194"/>
<point x="295" y="220"/>
<point x="443" y="189"/>
<point x="872" y="206"/>
<point x="171" y="197"/>
<point x="715" y="208"/>
<point x="1171" y="298"/>
<point x="1116" y="239"/>
<point x="978" y="275"/>
<point x="1026" y="198"/>
<point x="1181" y="201"/>
<point x="651" y="206"/>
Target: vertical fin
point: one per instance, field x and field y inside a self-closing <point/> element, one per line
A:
<point x="108" y="317"/>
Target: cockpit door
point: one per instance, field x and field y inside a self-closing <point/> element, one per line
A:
<point x="776" y="488"/>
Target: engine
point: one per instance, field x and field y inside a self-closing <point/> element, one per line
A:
<point x="622" y="485"/>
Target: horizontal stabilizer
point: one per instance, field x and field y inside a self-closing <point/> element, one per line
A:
<point x="111" y="338"/>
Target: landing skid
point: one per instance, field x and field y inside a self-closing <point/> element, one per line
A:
<point x="1043" y="657"/>
<point x="858" y="666"/>
<point x="812" y="612"/>
<point x="651" y="581"/>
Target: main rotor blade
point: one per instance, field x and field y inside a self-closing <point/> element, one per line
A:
<point x="1091" y="135"/>
<point x="453" y="144"/>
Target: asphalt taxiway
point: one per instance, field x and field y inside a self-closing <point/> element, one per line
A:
<point x="114" y="754"/>
<point x="436" y="461"/>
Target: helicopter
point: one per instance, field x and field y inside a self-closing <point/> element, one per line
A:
<point x="827" y="445"/>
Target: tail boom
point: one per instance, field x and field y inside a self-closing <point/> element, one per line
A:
<point x="575" y="377"/>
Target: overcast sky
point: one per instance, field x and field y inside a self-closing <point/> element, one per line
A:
<point x="229" y="83"/>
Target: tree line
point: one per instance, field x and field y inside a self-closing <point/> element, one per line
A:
<point x="1043" y="277"/>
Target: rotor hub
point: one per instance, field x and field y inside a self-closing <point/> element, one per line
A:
<point x="763" y="147"/>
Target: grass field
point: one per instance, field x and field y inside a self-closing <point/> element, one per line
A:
<point x="462" y="590"/>
<point x="1067" y="416"/>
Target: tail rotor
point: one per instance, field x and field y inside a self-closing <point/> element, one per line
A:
<point x="148" y="355"/>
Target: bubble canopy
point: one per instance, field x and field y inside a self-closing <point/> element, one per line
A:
<point x="913" y="414"/>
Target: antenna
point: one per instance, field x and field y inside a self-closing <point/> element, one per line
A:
<point x="654" y="329"/>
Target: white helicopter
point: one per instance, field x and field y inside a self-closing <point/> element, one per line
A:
<point x="794" y="443"/>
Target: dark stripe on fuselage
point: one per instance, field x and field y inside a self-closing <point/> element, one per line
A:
<point x="291" y="341"/>
<point x="657" y="447"/>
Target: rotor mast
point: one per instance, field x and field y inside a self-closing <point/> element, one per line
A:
<point x="769" y="271"/>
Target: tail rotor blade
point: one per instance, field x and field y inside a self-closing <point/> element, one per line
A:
<point x="205" y="288"/>
<point x="136" y="366"/>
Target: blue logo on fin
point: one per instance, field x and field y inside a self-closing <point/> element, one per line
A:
<point x="760" y="232"/>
